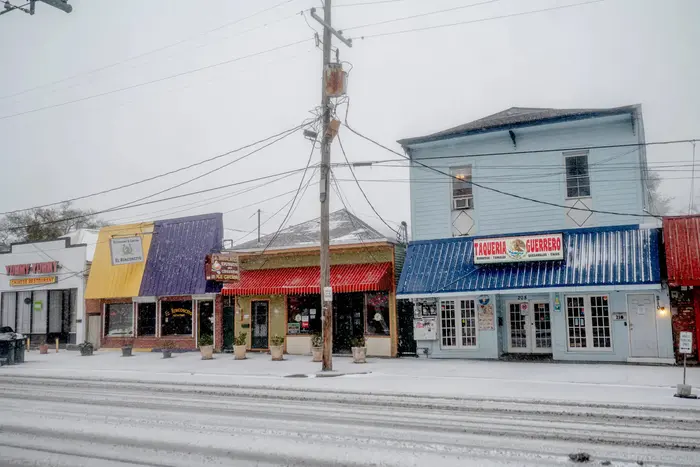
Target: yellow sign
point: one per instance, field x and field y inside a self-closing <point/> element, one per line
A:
<point x="33" y="281"/>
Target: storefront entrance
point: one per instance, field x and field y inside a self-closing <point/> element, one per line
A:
<point x="260" y="324"/>
<point x="529" y="327"/>
<point x="348" y="309"/>
<point x="641" y="310"/>
<point x="228" y="322"/>
<point x="205" y="320"/>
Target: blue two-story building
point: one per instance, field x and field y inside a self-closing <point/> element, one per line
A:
<point x="531" y="235"/>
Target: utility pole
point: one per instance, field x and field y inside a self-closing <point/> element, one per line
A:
<point x="326" y="138"/>
<point x="258" y="226"/>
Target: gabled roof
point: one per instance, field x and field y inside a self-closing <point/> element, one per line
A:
<point x="518" y="117"/>
<point x="345" y="229"/>
<point x="175" y="263"/>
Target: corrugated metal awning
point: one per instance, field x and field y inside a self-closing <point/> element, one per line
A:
<point x="344" y="278"/>
<point x="682" y="243"/>
<point x="604" y="256"/>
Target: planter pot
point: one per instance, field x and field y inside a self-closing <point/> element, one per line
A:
<point x="167" y="353"/>
<point x="44" y="349"/>
<point x="207" y="352"/>
<point x="277" y="352"/>
<point x="86" y="352"/>
<point x="239" y="352"/>
<point x="126" y="351"/>
<point x="359" y="354"/>
<point x="317" y="353"/>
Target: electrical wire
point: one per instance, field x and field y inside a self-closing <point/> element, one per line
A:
<point x="158" y="80"/>
<point x="9" y="7"/>
<point x="692" y="184"/>
<point x="496" y="190"/>
<point x="461" y="23"/>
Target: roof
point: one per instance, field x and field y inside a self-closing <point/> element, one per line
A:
<point x="682" y="243"/>
<point x="516" y="117"/>
<point x="603" y="256"/>
<point x="175" y="263"/>
<point x="344" y="278"/>
<point x="85" y="237"/>
<point x="345" y="229"/>
<point x="123" y="281"/>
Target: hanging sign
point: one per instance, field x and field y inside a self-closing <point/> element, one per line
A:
<point x="516" y="249"/>
<point x="223" y="267"/>
<point x="126" y="250"/>
<point x="685" y="342"/>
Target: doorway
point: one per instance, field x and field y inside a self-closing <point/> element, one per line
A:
<point x="260" y="324"/>
<point x="529" y="327"/>
<point x="93" y="331"/>
<point x="348" y="314"/>
<point x="228" y="323"/>
<point x="641" y="309"/>
<point x="205" y="320"/>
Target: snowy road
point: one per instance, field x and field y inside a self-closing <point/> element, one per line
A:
<point x="75" y="422"/>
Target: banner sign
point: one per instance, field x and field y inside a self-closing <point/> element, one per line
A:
<point x="50" y="267"/>
<point x="126" y="250"/>
<point x="33" y="281"/>
<point x="223" y="267"/>
<point x="517" y="249"/>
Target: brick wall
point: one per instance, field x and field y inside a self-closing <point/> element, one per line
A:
<point x="219" y="322"/>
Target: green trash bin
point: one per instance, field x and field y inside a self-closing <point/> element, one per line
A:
<point x="20" y="347"/>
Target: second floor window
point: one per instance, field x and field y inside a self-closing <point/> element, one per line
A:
<point x="462" y="195"/>
<point x="578" y="183"/>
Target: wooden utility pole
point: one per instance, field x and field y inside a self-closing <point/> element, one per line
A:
<point x="326" y="291"/>
<point x="258" y="225"/>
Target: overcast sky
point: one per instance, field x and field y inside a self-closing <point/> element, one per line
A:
<point x="604" y="54"/>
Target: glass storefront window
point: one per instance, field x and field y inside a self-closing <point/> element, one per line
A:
<point x="377" y="314"/>
<point x="147" y="319"/>
<point x="303" y="314"/>
<point x="119" y="320"/>
<point x="176" y="318"/>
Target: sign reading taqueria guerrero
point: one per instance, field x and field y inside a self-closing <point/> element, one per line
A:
<point x="516" y="249"/>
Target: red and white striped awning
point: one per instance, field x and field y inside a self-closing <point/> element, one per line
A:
<point x="344" y="278"/>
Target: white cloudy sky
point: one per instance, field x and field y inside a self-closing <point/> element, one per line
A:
<point x="603" y="54"/>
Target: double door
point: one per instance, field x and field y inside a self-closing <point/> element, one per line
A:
<point x="529" y="327"/>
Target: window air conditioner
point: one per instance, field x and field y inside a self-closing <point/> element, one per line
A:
<point x="464" y="202"/>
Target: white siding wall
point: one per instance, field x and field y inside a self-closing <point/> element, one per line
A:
<point x="614" y="172"/>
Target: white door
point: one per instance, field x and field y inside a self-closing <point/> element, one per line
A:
<point x="529" y="327"/>
<point x="641" y="310"/>
<point x="94" y="322"/>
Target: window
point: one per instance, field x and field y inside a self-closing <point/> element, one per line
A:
<point x="458" y="327"/>
<point x="176" y="318"/>
<point x="588" y="322"/>
<point x="303" y="314"/>
<point x="119" y="319"/>
<point x="578" y="184"/>
<point x="377" y="314"/>
<point x="147" y="319"/>
<point x="462" y="195"/>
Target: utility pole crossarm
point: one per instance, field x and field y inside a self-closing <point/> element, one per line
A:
<point x="327" y="26"/>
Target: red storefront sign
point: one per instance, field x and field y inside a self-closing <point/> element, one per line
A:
<point x="28" y="269"/>
<point x="544" y="247"/>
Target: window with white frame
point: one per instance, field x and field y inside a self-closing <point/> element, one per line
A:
<point x="578" y="183"/>
<point x="462" y="194"/>
<point x="588" y="322"/>
<point x="458" y="326"/>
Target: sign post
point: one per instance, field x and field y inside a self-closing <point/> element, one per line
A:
<point x="685" y="346"/>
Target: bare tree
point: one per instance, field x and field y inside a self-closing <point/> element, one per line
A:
<point x="660" y="204"/>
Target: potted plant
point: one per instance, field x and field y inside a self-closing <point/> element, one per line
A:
<point x="167" y="348"/>
<point x="317" y="347"/>
<point x="127" y="347"/>
<point x="277" y="347"/>
<point x="86" y="349"/>
<point x="239" y="346"/>
<point x="44" y="349"/>
<point x="206" y="347"/>
<point x="359" y="351"/>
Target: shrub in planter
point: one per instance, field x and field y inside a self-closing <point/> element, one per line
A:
<point x="239" y="346"/>
<point x="127" y="347"/>
<point x="317" y="347"/>
<point x="277" y="347"/>
<point x="86" y="349"/>
<point x="206" y="347"/>
<point x="359" y="351"/>
<point x="167" y="348"/>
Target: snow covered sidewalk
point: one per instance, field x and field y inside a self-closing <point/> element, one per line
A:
<point x="521" y="381"/>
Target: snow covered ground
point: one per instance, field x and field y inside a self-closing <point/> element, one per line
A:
<point x="107" y="410"/>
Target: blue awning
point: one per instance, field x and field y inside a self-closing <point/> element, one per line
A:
<point x="602" y="256"/>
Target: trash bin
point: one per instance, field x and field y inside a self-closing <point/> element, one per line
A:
<point x="20" y="346"/>
<point x="5" y="351"/>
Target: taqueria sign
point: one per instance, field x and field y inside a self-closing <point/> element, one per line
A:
<point x="517" y="249"/>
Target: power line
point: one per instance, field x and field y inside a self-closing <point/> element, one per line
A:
<point x="342" y="149"/>
<point x="8" y="7"/>
<point x="460" y="23"/>
<point x="420" y="15"/>
<point x="150" y="52"/>
<point x="495" y="190"/>
<point x="158" y="80"/>
<point x="164" y="174"/>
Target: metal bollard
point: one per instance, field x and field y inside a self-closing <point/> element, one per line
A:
<point x="57" y="345"/>
<point x="29" y="341"/>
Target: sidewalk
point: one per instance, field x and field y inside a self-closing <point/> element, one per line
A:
<point x="523" y="381"/>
